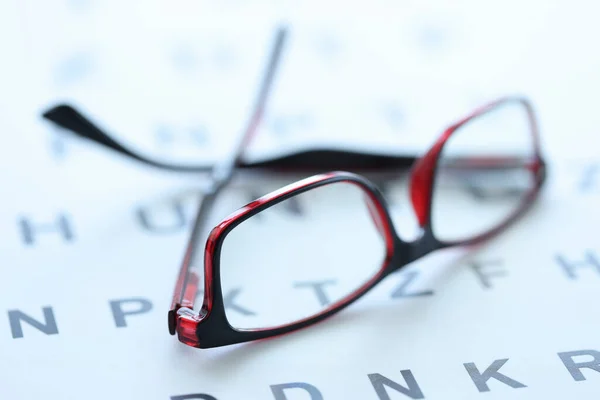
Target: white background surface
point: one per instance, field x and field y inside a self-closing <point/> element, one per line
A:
<point x="188" y="65"/>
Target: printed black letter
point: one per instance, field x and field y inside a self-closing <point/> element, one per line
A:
<point x="228" y="302"/>
<point x="143" y="306"/>
<point x="61" y="226"/>
<point x="480" y="379"/>
<point x="484" y="278"/>
<point x="379" y="383"/>
<point x="278" y="390"/>
<point x="318" y="288"/>
<point x="409" y="277"/>
<point x="48" y="326"/>
<point x="590" y="261"/>
<point x="179" y="220"/>
<point x="575" y="367"/>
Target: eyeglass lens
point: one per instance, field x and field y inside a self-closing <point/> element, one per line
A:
<point x="284" y="269"/>
<point x="484" y="173"/>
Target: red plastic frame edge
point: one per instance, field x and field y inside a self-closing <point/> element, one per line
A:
<point x="187" y="320"/>
<point x="423" y="172"/>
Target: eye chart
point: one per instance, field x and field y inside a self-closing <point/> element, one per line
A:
<point x="92" y="241"/>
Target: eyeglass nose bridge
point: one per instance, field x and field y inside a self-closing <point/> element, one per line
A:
<point x="407" y="252"/>
<point x="399" y="252"/>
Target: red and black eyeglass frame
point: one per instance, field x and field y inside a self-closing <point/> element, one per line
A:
<point x="209" y="326"/>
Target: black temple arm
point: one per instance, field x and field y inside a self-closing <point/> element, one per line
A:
<point x="320" y="160"/>
<point x="67" y="117"/>
<point x="309" y="161"/>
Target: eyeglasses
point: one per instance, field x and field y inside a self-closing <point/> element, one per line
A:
<point x="481" y="174"/>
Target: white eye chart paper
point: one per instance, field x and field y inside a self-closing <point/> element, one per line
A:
<point x="92" y="241"/>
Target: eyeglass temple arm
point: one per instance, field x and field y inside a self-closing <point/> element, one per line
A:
<point x="67" y="117"/>
<point x="223" y="170"/>
<point x="489" y="162"/>
<point x="188" y="280"/>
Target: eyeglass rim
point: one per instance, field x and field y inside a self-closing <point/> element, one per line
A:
<point x="210" y="327"/>
<point x="423" y="172"/>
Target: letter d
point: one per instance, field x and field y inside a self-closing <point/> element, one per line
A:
<point x="279" y="390"/>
